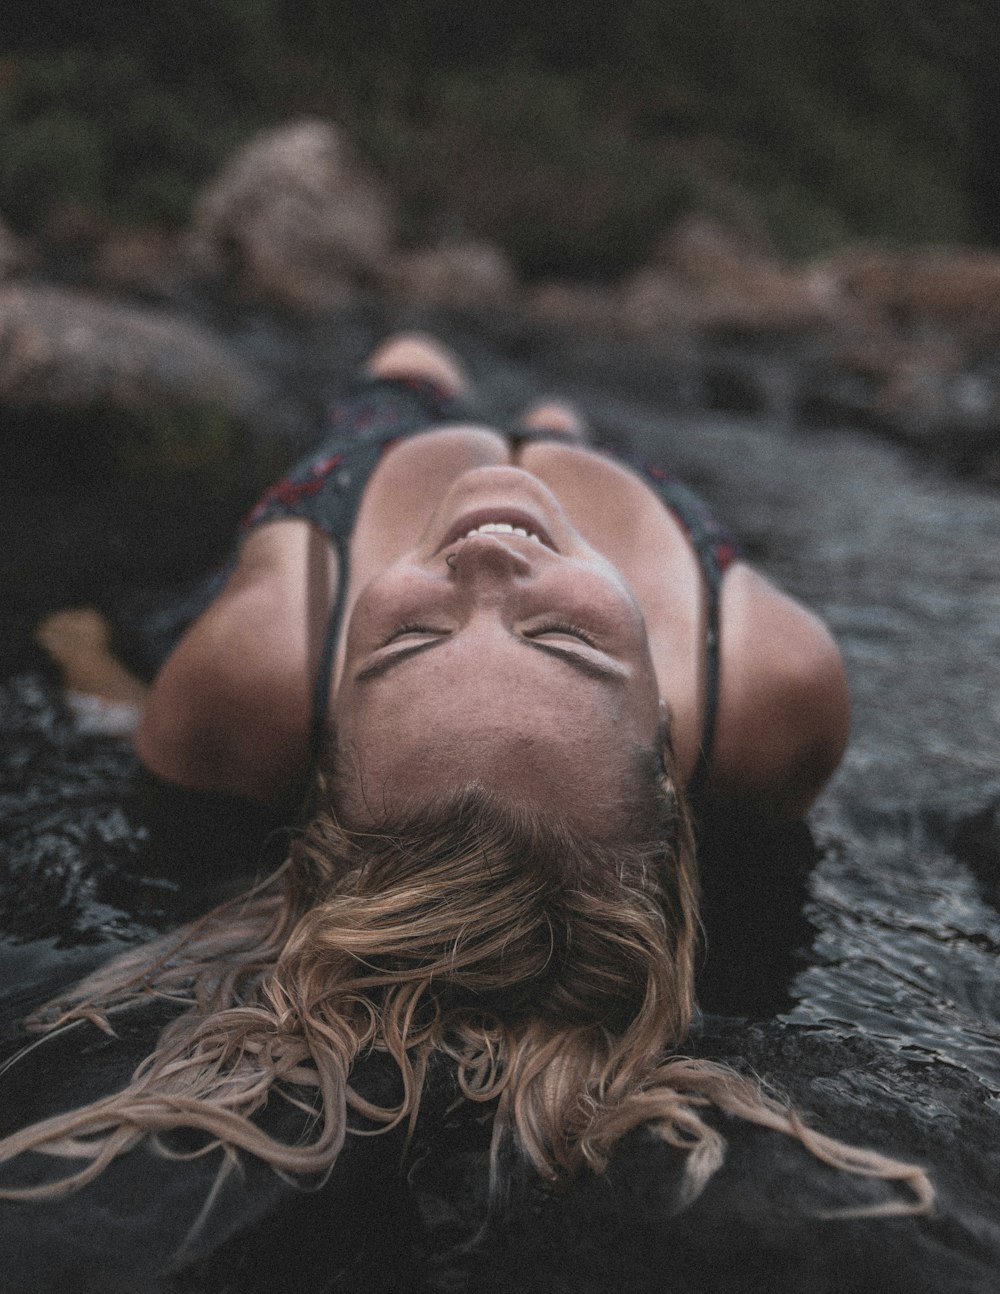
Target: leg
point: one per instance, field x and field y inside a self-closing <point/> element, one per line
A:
<point x="231" y="709"/>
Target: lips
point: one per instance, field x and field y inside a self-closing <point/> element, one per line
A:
<point x="517" y="518"/>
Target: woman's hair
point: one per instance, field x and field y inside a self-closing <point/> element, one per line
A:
<point x="556" y="972"/>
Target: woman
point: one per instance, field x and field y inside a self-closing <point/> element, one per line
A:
<point x="506" y="656"/>
<point x="609" y="578"/>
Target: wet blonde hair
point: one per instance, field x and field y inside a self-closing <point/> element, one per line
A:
<point x="556" y="972"/>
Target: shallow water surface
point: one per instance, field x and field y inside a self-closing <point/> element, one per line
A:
<point x="902" y="565"/>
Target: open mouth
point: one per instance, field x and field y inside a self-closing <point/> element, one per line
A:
<point x="498" y="521"/>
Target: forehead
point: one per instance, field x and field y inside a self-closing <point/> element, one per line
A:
<point x="584" y="781"/>
<point x="424" y="710"/>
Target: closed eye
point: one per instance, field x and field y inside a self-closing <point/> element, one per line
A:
<point x="567" y="630"/>
<point x="431" y="638"/>
<point x="402" y="631"/>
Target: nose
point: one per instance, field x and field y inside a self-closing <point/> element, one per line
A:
<point x="489" y="557"/>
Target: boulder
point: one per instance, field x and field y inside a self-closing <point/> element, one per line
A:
<point x="67" y="348"/>
<point x="293" y="219"/>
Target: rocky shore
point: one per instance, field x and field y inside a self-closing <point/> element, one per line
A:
<point x="843" y="418"/>
<point x="903" y="340"/>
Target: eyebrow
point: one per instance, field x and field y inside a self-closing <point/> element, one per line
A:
<point x="582" y="664"/>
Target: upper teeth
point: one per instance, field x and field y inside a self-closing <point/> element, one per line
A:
<point x="501" y="528"/>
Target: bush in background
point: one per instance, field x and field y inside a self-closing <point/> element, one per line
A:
<point x="569" y="133"/>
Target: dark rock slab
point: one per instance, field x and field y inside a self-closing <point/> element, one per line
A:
<point x="69" y="348"/>
<point x="851" y="965"/>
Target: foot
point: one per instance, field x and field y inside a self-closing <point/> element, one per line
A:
<point x="556" y="418"/>
<point x="419" y="356"/>
<point x="79" y="641"/>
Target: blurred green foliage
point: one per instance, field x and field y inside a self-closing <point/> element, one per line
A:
<point x="95" y="130"/>
<point x="570" y="132"/>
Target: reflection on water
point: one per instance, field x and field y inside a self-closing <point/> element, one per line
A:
<point x="906" y="952"/>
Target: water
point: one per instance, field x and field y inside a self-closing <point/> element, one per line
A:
<point x="902" y="564"/>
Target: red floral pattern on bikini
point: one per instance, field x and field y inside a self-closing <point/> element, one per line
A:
<point x="383" y="408"/>
<point x="290" y="491"/>
<point x="695" y="516"/>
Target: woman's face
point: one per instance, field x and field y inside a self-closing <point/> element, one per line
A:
<point x="503" y="649"/>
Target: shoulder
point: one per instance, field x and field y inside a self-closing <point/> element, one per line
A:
<point x="230" y="711"/>
<point x="784" y="710"/>
<point x="220" y="729"/>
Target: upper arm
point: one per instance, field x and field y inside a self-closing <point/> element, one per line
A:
<point x="784" y="711"/>
<point x="227" y="715"/>
<point x="230" y="711"/>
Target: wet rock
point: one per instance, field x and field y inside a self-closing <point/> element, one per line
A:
<point x="755" y="1228"/>
<point x="975" y="841"/>
<point x="293" y="219"/>
<point x="116" y="419"/>
<point x="60" y="348"/>
<point x="140" y="1229"/>
<point x="852" y="966"/>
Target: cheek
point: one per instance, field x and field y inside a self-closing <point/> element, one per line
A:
<point x="398" y="595"/>
<point x="619" y="621"/>
<point x="601" y="586"/>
